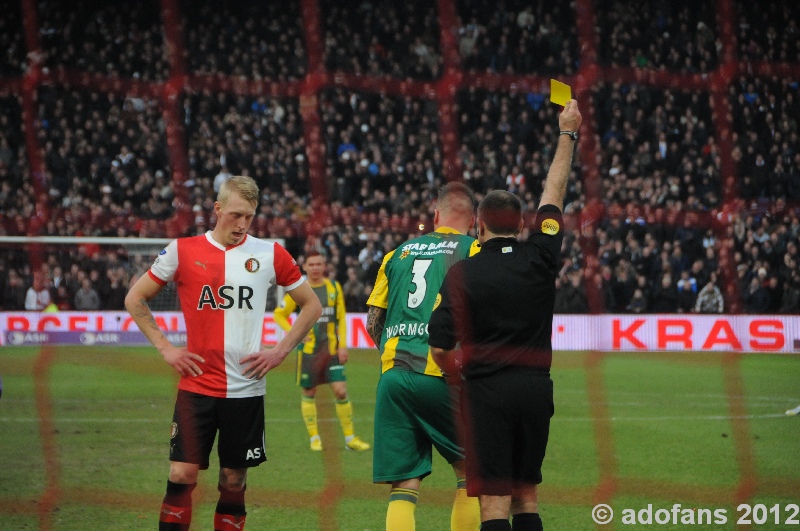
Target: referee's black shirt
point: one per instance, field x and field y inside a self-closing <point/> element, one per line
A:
<point x="499" y="303"/>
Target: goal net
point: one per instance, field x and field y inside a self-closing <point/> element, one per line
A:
<point x="64" y="266"/>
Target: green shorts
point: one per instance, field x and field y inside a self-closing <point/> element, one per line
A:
<point x="414" y="412"/>
<point x="318" y="368"/>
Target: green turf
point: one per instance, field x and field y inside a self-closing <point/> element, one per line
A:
<point x="629" y="429"/>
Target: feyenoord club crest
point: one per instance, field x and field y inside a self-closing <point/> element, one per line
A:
<point x="252" y="265"/>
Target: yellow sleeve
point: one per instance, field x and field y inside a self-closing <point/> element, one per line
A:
<point x="380" y="291"/>
<point x="475" y="248"/>
<point x="283" y="311"/>
<point x="341" y="316"/>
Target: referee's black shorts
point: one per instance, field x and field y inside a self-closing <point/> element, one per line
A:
<point x="507" y="423"/>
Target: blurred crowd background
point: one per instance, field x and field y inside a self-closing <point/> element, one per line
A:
<point x="656" y="222"/>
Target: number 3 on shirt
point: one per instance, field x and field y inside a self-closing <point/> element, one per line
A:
<point x="416" y="297"/>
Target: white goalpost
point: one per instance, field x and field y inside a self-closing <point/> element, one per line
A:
<point x="67" y="261"/>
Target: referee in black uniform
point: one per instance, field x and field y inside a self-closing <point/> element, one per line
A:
<point x="499" y="306"/>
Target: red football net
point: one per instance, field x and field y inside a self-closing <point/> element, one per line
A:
<point x="443" y="92"/>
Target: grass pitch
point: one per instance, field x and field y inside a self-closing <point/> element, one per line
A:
<point x="84" y="438"/>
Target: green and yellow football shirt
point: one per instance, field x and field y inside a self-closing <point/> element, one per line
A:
<point x="329" y="332"/>
<point x="407" y="287"/>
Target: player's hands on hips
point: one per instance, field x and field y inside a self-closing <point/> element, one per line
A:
<point x="343" y="355"/>
<point x="183" y="361"/>
<point x="263" y="361"/>
<point x="570" y="118"/>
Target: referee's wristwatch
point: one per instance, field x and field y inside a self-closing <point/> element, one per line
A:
<point x="572" y="134"/>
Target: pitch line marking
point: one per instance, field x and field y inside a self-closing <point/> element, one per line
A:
<point x="368" y="420"/>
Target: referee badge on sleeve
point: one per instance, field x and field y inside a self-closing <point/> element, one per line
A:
<point x="550" y="226"/>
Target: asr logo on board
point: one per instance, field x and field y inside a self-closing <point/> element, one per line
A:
<point x="551" y="227"/>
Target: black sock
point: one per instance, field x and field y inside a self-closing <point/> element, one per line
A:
<point x="495" y="525"/>
<point x="526" y="522"/>
<point x="231" y="501"/>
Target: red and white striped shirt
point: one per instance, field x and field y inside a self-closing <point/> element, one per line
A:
<point x="223" y="296"/>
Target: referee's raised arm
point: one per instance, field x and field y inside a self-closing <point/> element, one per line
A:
<point x="555" y="186"/>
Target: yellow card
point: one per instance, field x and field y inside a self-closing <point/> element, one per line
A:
<point x="560" y="93"/>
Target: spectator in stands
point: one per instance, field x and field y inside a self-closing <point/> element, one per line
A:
<point x="86" y="298"/>
<point x="571" y="297"/>
<point x="115" y="289"/>
<point x="756" y="297"/>
<point x="678" y="260"/>
<point x="687" y="279"/>
<point x="221" y="177"/>
<point x="601" y="283"/>
<point x="790" y="304"/>
<point x="14" y="292"/>
<point x="57" y="277"/>
<point x="74" y="277"/>
<point x="38" y="295"/>
<point x="687" y="298"/>
<point x="775" y="292"/>
<point x="710" y="299"/>
<point x="638" y="302"/>
<point x="622" y="286"/>
<point x="353" y="288"/>
<point x="699" y="273"/>
<point x="62" y="299"/>
<point x="665" y="297"/>
<point x="643" y="284"/>
<point x="370" y="267"/>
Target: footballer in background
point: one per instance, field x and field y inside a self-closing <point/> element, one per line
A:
<point x="323" y="353"/>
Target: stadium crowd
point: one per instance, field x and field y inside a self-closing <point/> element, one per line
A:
<point x="119" y="40"/>
<point x="659" y="246"/>
<point x="397" y="39"/>
<point x="517" y="37"/>
<point x="679" y="36"/>
<point x="245" y="39"/>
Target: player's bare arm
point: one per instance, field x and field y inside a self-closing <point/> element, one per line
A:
<point x="555" y="186"/>
<point x="258" y="364"/>
<point x="376" y="321"/>
<point x="341" y="326"/>
<point x="180" y="359"/>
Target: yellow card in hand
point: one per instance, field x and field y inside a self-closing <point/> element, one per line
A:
<point x="560" y="93"/>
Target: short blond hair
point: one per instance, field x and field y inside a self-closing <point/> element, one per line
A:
<point x="457" y="198"/>
<point x="243" y="185"/>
